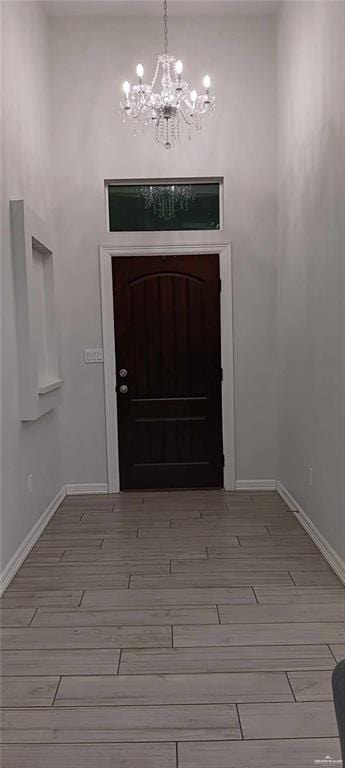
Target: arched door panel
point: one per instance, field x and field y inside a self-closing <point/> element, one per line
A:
<point x="167" y="331"/>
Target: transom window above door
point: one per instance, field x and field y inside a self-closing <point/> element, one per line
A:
<point x="148" y="206"/>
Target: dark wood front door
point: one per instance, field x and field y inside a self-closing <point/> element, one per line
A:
<point x="167" y="332"/>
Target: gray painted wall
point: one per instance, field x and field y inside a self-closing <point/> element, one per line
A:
<point x="311" y="296"/>
<point x="27" y="448"/>
<point x="91" y="57"/>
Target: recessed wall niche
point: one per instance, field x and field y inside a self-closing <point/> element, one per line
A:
<point x="39" y="377"/>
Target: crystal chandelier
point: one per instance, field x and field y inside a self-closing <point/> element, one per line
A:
<point x="166" y="199"/>
<point x="169" y="105"/>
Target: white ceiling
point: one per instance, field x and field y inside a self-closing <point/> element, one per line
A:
<point x="153" y="7"/>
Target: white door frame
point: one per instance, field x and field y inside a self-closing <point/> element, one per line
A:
<point x="107" y="252"/>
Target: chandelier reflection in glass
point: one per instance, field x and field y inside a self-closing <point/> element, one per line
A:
<point x="167" y="199"/>
<point x="169" y="105"/>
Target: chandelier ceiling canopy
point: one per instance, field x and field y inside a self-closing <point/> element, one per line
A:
<point x="168" y="101"/>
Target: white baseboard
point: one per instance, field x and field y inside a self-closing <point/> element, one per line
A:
<point x="30" y="540"/>
<point x="332" y="557"/>
<point x="256" y="485"/>
<point x="78" y="489"/>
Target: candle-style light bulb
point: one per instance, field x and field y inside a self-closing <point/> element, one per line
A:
<point x="194" y="96"/>
<point x="126" y="87"/>
<point x="207" y="82"/>
<point x="178" y="70"/>
<point x="140" y="71"/>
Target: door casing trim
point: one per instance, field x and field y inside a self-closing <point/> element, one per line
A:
<point x="106" y="254"/>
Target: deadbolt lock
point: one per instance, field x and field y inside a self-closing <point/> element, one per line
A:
<point x="123" y="373"/>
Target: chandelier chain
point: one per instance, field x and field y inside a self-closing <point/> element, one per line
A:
<point x="165" y="12"/>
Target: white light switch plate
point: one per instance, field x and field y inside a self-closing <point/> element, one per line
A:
<point x="93" y="356"/>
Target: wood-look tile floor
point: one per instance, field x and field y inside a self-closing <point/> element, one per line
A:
<point x="171" y="630"/>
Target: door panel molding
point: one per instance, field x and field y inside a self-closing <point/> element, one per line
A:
<point x="106" y="254"/>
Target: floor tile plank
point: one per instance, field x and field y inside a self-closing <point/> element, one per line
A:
<point x="130" y="563"/>
<point x="157" y="755"/>
<point x="16" y="617"/>
<point x="94" y="567"/>
<point x="321" y="578"/>
<point x="140" y="598"/>
<point x="176" y="536"/>
<point x="93" y="530"/>
<point x="236" y="497"/>
<point x="53" y="543"/>
<point x="91" y="581"/>
<point x="216" y="553"/>
<point x="28" y="691"/>
<point x="86" y="637"/>
<point x="60" y="662"/>
<point x="185" y="580"/>
<point x="288" y="721"/>
<point x="338" y="651"/>
<point x="310" y="685"/>
<point x="153" y="547"/>
<point x="213" y="523"/>
<point x="294" y="595"/>
<point x="250" y="562"/>
<point x="275" y="613"/>
<point x="275" y="753"/>
<point x="14" y="598"/>
<point x="44" y="557"/>
<point x="85" y="725"/>
<point x="173" y="689"/>
<point x="151" y="616"/>
<point x="259" y="634"/>
<point x="259" y="658"/>
<point x="278" y="541"/>
<point x="160" y="517"/>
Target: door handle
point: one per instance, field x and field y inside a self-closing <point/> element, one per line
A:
<point x="123" y="389"/>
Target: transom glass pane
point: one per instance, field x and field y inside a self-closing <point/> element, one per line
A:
<point x="154" y="207"/>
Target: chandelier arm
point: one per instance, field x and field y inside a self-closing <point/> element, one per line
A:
<point x="135" y="114"/>
<point x="188" y="122"/>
